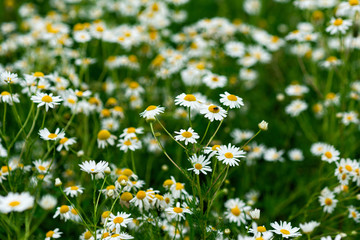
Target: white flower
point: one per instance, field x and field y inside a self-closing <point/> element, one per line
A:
<point x="213" y="112"/>
<point x="236" y="211"/>
<point x="214" y="81"/>
<point x="115" y="222"/>
<point x="104" y="138"/>
<point x="296" y="107"/>
<point x="187" y="100"/>
<point x="47" y="135"/>
<point x="177" y="212"/>
<point x="272" y="154"/>
<point x="8" y="77"/>
<point x="6" y="97"/>
<point x="65" y="142"/>
<point x="48" y="202"/>
<point x="200" y="164"/>
<point x="73" y="191"/>
<point x="16" y="202"/>
<point x="231" y="100"/>
<point x="129" y="144"/>
<point x="327" y="200"/>
<point x="92" y="167"/>
<point x="338" y="25"/>
<point x="309" y="227"/>
<point x="189" y="136"/>
<point x="285" y="230"/>
<point x="263" y="125"/>
<point x="255" y="214"/>
<point x="152" y="111"/>
<point x="330" y="154"/>
<point x="52" y="234"/>
<point x="229" y="155"/>
<point x="296" y="155"/>
<point x="46" y="99"/>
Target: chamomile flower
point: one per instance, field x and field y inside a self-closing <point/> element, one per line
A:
<point x="42" y="166"/>
<point x="46" y="99"/>
<point x="177" y="212"/>
<point x="229" y="155"/>
<point x="338" y="25"/>
<point x="104" y="138"/>
<point x="92" y="167"/>
<point x="53" y="234"/>
<point x="8" y="77"/>
<point x="187" y="100"/>
<point x="308" y="227"/>
<point x="213" y="112"/>
<point x="327" y="200"/>
<point x="64" y="211"/>
<point x="129" y="144"/>
<point x="330" y="154"/>
<point x="65" y="143"/>
<point x="285" y="229"/>
<point x="73" y="191"/>
<point x="272" y="154"/>
<point x="200" y="164"/>
<point x="296" y="155"/>
<point x="189" y="136"/>
<point x="231" y="100"/>
<point x="318" y="148"/>
<point x="236" y="211"/>
<point x="152" y="111"/>
<point x="118" y="221"/>
<point x="142" y="200"/>
<point x="214" y="81"/>
<point x="47" y="135"/>
<point x="16" y="202"/>
<point x="354" y="214"/>
<point x="296" y="107"/>
<point x="131" y="132"/>
<point x="48" y="202"/>
<point x="6" y="97"/>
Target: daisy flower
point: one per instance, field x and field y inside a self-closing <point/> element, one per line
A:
<point x="296" y="155"/>
<point x="8" y="77"/>
<point x="272" y="154"/>
<point x="296" y="107"/>
<point x="338" y="25"/>
<point x="309" y="227"/>
<point x="355" y="215"/>
<point x="65" y="143"/>
<point x="131" y="132"/>
<point x="231" y="100"/>
<point x="46" y="135"/>
<point x="142" y="200"/>
<point x="64" y="212"/>
<point x="317" y="149"/>
<point x="213" y="112"/>
<point x="214" y="81"/>
<point x="73" y="191"/>
<point x="110" y="191"/>
<point x="129" y="144"/>
<point x="236" y="211"/>
<point x="118" y="236"/>
<point x="46" y="99"/>
<point x="177" y="212"/>
<point x="104" y="138"/>
<point x="42" y="166"/>
<point x="327" y="200"/>
<point x="6" y="97"/>
<point x="16" y="202"/>
<point x="200" y="164"/>
<point x="152" y="111"/>
<point x="115" y="222"/>
<point x="285" y="229"/>
<point x="48" y="202"/>
<point x="189" y="136"/>
<point x="330" y="154"/>
<point x="53" y="234"/>
<point x="92" y="167"/>
<point x="229" y="155"/>
<point x="187" y="100"/>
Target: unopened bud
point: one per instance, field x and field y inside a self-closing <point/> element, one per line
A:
<point x="58" y="182"/>
<point x="107" y="170"/>
<point x="263" y="125"/>
<point x="227" y="231"/>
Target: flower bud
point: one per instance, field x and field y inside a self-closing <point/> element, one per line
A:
<point x="58" y="182"/>
<point x="263" y="125"/>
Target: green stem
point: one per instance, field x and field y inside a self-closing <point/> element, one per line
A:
<point x="207" y="128"/>
<point x="133" y="161"/>
<point x="171" y="135"/>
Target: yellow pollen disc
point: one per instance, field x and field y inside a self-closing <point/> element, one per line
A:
<point x="261" y="229"/>
<point x="331" y="59"/>
<point x="151" y="107"/>
<point x="79" y="93"/>
<point x="41" y="86"/>
<point x="259" y="238"/>
<point x="353" y="2"/>
<point x="52" y="135"/>
<point x="158" y="196"/>
<point x="190" y="98"/>
<point x="338" y="22"/>
<point x="178" y="210"/>
<point x="228" y="155"/>
<point x="41" y="168"/>
<point x="179" y="186"/>
<point x="168" y="182"/>
<point x="5" y="93"/>
<point x="87" y="235"/>
<point x="105" y="214"/>
<point x="353" y="214"/>
<point x="133" y="58"/>
<point x="214" y="109"/>
<point x="167" y="200"/>
<point x="64" y="209"/>
<point x="63" y="140"/>
<point x="74" y="188"/>
<point x="284" y="231"/>
<point x="235" y="211"/>
<point x="141" y="195"/>
<point x="118" y="220"/>
<point x="133" y="85"/>
<point x="187" y="134"/>
<point x="232" y="97"/>
<point x="104" y="134"/>
<point x="198" y="166"/>
<point x="122" y="178"/>
<point x="115" y="235"/>
<point x="5" y="169"/>
<point x="111" y="187"/>
<point x="73" y="211"/>
<point x="105" y="235"/>
<point x="126" y="196"/>
<point x="127" y="172"/>
<point x="328" y="154"/>
<point x="111" y="58"/>
<point x="330" y="96"/>
<point x="92" y="169"/>
<point x="348" y="167"/>
<point x="14" y="203"/>
<point x="215" y="79"/>
<point x="46" y="99"/>
<point x="105" y="112"/>
<point x="38" y="74"/>
<point x="215" y="147"/>
<point x="131" y="130"/>
<point x="127" y="143"/>
<point x="49" y="234"/>
<point x="71" y="101"/>
<point x="328" y="201"/>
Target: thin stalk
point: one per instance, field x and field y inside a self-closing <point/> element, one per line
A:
<point x="207" y="128"/>
<point x="171" y="135"/>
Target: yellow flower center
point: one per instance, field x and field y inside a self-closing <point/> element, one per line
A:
<point x="64" y="209"/>
<point x="198" y="166"/>
<point x="105" y="235"/>
<point x="127" y="143"/>
<point x="141" y="195"/>
<point x="215" y="147"/>
<point x="214" y="109"/>
<point x="328" y="201"/>
<point x="284" y="231"/>
<point x="178" y="210"/>
<point x="5" y="93"/>
<point x="331" y="59"/>
<point x="118" y="220"/>
<point x="228" y="155"/>
<point x="168" y="182"/>
<point x="187" y="134"/>
<point x="74" y="188"/>
<point x="73" y="211"/>
<point x="71" y="101"/>
<point x="104" y="134"/>
<point x="46" y="99"/>
<point x="52" y="135"/>
<point x="105" y="214"/>
<point x="79" y="93"/>
<point x="190" y="98"/>
<point x="232" y="97"/>
<point x="126" y="196"/>
<point x="353" y="2"/>
<point x="215" y="79"/>
<point x="150" y="108"/>
<point x="115" y="235"/>
<point x="87" y="235"/>
<point x="14" y="203"/>
<point x="179" y="186"/>
<point x="63" y="140"/>
<point x="353" y="214"/>
<point x="330" y="96"/>
<point x="122" y="178"/>
<point x="235" y="211"/>
<point x="338" y="22"/>
<point x="348" y="167"/>
<point x="41" y="168"/>
<point x="328" y="154"/>
<point x="133" y="85"/>
<point x="261" y="229"/>
<point x="127" y="172"/>
<point x="50" y="234"/>
<point x="131" y="130"/>
<point x="111" y="187"/>
<point x="38" y="74"/>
